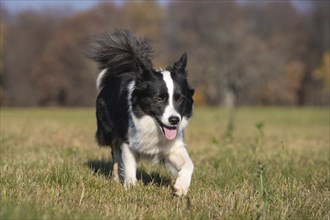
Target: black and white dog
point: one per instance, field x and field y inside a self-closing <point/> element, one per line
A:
<point x="141" y="111"/>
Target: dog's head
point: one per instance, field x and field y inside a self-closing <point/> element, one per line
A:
<point x="165" y="96"/>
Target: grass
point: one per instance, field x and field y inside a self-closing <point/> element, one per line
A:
<point x="274" y="166"/>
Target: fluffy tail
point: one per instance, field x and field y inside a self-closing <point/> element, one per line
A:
<point x="120" y="52"/>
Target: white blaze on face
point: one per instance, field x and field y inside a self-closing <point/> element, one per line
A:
<point x="170" y="132"/>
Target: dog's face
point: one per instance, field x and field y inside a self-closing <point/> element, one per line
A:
<point x="166" y="97"/>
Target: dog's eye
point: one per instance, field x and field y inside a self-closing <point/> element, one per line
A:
<point x="161" y="98"/>
<point x="179" y="98"/>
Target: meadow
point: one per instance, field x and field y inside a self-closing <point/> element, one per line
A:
<point x="272" y="164"/>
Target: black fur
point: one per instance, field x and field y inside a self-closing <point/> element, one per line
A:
<point x="120" y="52"/>
<point x="128" y="59"/>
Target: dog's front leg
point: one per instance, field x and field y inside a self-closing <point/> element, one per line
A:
<point x="129" y="165"/>
<point x="180" y="164"/>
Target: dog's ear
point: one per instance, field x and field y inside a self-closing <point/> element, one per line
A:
<point x="192" y="92"/>
<point x="181" y="64"/>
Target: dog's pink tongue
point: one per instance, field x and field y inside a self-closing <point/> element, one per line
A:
<point x="170" y="134"/>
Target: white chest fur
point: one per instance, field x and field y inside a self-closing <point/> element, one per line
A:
<point x="145" y="137"/>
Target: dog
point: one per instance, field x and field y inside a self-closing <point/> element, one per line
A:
<point x="141" y="111"/>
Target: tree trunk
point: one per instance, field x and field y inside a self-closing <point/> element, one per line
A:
<point x="229" y="100"/>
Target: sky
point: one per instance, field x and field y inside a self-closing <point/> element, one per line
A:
<point x="19" y="5"/>
<point x="78" y="5"/>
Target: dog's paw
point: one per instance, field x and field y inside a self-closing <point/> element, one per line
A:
<point x="130" y="182"/>
<point x="115" y="173"/>
<point x="181" y="185"/>
<point x="116" y="178"/>
<point x="180" y="191"/>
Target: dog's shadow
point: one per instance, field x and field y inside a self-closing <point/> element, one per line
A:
<point x="105" y="168"/>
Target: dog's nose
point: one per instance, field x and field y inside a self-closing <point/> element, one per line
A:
<point x="174" y="120"/>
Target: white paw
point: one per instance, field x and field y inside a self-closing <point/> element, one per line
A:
<point x="182" y="183"/>
<point x="180" y="190"/>
<point x="130" y="182"/>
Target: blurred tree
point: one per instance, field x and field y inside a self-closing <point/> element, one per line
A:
<point x="316" y="42"/>
<point x="65" y="74"/>
<point x="322" y="72"/>
<point x="238" y="54"/>
<point x="145" y="19"/>
<point x="322" y="80"/>
<point x="233" y="58"/>
<point x="70" y="79"/>
<point x="25" y="38"/>
<point x="281" y="90"/>
<point x="4" y="18"/>
<point x="2" y="29"/>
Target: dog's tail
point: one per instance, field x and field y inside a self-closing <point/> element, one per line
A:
<point x="119" y="52"/>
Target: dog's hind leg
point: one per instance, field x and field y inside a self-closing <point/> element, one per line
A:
<point x="117" y="164"/>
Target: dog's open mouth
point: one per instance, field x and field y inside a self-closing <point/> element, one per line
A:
<point x="169" y="132"/>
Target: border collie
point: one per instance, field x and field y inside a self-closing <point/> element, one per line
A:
<point x="141" y="111"/>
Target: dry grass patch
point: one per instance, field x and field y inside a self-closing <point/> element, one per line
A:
<point x="276" y="165"/>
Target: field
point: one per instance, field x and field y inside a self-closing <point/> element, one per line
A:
<point x="273" y="164"/>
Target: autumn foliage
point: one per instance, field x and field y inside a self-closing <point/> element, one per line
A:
<point x="238" y="53"/>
